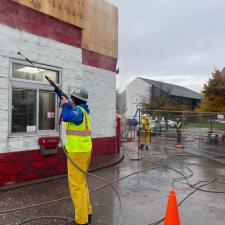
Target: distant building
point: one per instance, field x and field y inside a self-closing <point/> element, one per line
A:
<point x="150" y="90"/>
<point x="121" y="102"/>
<point x="223" y="72"/>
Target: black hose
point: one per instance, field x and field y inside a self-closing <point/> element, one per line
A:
<point x="181" y="202"/>
<point x="140" y="171"/>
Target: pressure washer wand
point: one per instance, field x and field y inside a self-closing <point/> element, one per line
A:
<point x="58" y="91"/>
<point x="19" y="53"/>
<point x="51" y="82"/>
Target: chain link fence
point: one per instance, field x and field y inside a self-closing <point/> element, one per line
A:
<point x="128" y="127"/>
<point x="200" y="131"/>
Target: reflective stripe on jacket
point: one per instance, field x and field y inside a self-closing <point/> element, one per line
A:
<point x="78" y="138"/>
<point x="178" y="126"/>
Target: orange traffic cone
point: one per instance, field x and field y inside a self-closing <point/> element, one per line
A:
<point x="172" y="214"/>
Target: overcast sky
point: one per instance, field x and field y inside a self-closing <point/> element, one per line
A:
<point x="175" y="41"/>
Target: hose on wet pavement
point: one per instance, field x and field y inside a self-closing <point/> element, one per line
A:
<point x="158" y="165"/>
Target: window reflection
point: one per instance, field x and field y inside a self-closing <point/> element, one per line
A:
<point x="31" y="73"/>
<point x="23" y="110"/>
<point x="46" y="110"/>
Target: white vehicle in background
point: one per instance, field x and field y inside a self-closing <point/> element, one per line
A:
<point x="168" y="124"/>
<point x="156" y="127"/>
<point x="220" y="121"/>
<point x="163" y="124"/>
<point x="171" y="124"/>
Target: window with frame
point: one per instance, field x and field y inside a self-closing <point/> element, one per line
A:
<point x="32" y="98"/>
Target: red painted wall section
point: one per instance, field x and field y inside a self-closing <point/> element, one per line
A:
<point x="104" y="146"/>
<point x="16" y="167"/>
<point x="97" y="60"/>
<point x="118" y="131"/>
<point x="29" y="20"/>
<point x="22" y="166"/>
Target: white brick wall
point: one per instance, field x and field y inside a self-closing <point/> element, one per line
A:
<point x="101" y="84"/>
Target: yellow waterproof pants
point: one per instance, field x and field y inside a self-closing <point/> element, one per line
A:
<point x="145" y="137"/>
<point x="78" y="186"/>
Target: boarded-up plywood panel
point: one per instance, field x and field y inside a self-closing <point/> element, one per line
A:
<point x="100" y="32"/>
<point x="70" y="11"/>
<point x="98" y="19"/>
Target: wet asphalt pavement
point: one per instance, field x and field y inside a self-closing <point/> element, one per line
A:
<point x="144" y="195"/>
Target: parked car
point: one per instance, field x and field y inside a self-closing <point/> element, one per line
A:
<point x="156" y="127"/>
<point x="167" y="124"/>
<point x="220" y="121"/>
<point x="163" y="124"/>
<point x="171" y="124"/>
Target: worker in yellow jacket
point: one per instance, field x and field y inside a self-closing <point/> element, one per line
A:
<point x="145" y="137"/>
<point x="76" y="116"/>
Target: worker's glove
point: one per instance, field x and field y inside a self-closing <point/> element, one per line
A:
<point x="63" y="101"/>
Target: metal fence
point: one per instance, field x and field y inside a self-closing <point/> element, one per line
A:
<point x="128" y="129"/>
<point x="200" y="131"/>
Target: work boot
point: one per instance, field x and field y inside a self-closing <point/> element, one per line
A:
<point x="89" y="218"/>
<point x="73" y="223"/>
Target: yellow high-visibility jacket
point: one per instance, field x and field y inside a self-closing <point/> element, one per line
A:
<point x="78" y="138"/>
